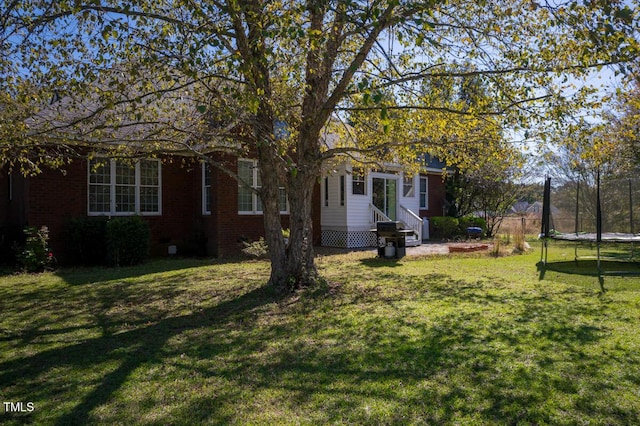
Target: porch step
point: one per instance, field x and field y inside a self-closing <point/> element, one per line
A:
<point x="412" y="241"/>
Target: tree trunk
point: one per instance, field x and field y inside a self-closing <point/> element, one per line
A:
<point x="292" y="266"/>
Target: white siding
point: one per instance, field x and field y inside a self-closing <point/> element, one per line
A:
<point x="358" y="213"/>
<point x="334" y="215"/>
<point x="355" y="215"/>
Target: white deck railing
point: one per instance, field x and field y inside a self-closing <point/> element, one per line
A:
<point x="409" y="219"/>
<point x="377" y="215"/>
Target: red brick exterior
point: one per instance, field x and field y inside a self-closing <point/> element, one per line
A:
<point x="55" y="196"/>
<point x="436" y="195"/>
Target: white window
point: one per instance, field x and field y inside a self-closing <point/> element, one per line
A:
<point x="121" y="188"/>
<point x="358" y="181"/>
<point x="249" y="201"/>
<point x="206" y="189"/>
<point x="424" y="193"/>
<point x="408" y="189"/>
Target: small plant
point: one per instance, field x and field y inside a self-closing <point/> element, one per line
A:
<point x="506" y="238"/>
<point x="495" y="248"/>
<point x="286" y="233"/>
<point x="519" y="243"/>
<point x="257" y="249"/>
<point x="35" y="256"/>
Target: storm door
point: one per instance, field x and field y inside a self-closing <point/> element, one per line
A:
<point x="385" y="196"/>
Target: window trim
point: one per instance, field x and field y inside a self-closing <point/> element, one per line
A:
<point x="326" y="192"/>
<point x="360" y="173"/>
<point x="254" y="195"/>
<point x="426" y="193"/>
<point x="112" y="189"/>
<point x="408" y="182"/>
<point x="205" y="192"/>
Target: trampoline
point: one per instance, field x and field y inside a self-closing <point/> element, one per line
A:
<point x="591" y="210"/>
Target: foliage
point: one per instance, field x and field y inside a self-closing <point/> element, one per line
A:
<point x="448" y="227"/>
<point x="86" y="240"/>
<point x="469" y="221"/>
<point x="75" y="77"/>
<point x="445" y="227"/>
<point x="127" y="241"/>
<point x="257" y="249"/>
<point x="35" y="255"/>
<point x="619" y="142"/>
<point x="490" y="190"/>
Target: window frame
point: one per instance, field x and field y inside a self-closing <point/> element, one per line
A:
<point x="206" y="189"/>
<point x="424" y="206"/>
<point x="358" y="180"/>
<point x="410" y="184"/>
<point x="113" y="184"/>
<point x="326" y="192"/>
<point x="256" y="184"/>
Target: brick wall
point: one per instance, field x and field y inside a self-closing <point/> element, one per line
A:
<point x="55" y="196"/>
<point x="436" y="196"/>
<point x="228" y="228"/>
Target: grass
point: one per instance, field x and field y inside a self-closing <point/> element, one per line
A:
<point x="466" y="339"/>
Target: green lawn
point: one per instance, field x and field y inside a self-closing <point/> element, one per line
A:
<point x="440" y="340"/>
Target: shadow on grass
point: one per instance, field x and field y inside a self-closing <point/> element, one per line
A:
<point x="86" y="275"/>
<point x="435" y="350"/>
<point x="378" y="262"/>
<point x="590" y="268"/>
<point x="127" y="350"/>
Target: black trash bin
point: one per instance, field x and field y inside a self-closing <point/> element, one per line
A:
<point x="390" y="234"/>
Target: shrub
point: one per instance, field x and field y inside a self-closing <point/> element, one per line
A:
<point x="445" y="226"/>
<point x="85" y="240"/>
<point x="35" y="256"/>
<point x="127" y="241"/>
<point x="469" y="221"/>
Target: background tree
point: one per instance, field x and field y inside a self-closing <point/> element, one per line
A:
<point x="490" y="189"/>
<point x="188" y="77"/>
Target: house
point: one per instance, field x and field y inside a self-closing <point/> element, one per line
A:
<point x="197" y="210"/>
<point x="188" y="206"/>
<point x="192" y="209"/>
<point x="354" y="199"/>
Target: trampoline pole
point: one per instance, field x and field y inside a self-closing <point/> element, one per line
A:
<point x="631" y="218"/>
<point x="630" y="208"/>
<point x="576" y="220"/>
<point x="598" y="220"/>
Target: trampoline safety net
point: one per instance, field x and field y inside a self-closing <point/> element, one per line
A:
<point x="578" y="206"/>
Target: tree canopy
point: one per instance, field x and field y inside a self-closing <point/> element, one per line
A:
<point x="195" y="77"/>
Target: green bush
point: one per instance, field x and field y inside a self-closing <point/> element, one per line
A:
<point x="85" y="241"/>
<point x="445" y="226"/>
<point x="35" y="255"/>
<point x="468" y="221"/>
<point x="127" y="241"/>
